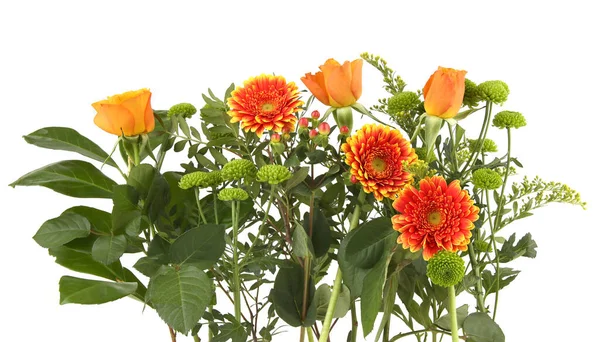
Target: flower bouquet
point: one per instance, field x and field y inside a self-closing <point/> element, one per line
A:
<point x="281" y="215"/>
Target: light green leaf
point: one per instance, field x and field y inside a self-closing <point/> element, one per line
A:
<point x="461" y="313"/>
<point x="84" y="291"/>
<point x="479" y="327"/>
<point x="73" y="178"/>
<point x="108" y="249"/>
<point x="60" y="230"/>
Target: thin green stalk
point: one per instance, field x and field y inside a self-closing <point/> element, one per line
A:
<point x="136" y="154"/>
<point x="354" y="331"/>
<point x="197" y="194"/>
<point x="478" y="284"/>
<point x="453" y="142"/>
<point x="262" y="224"/>
<point x="337" y="285"/>
<point x="197" y="339"/>
<point x="215" y="205"/>
<point x="236" y="266"/>
<point x="386" y="331"/>
<point x="415" y="332"/>
<point x="310" y="335"/>
<point x="482" y="135"/>
<point x="452" y="311"/>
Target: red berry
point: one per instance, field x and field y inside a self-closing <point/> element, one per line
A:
<point x="315" y="114"/>
<point x="324" y="128"/>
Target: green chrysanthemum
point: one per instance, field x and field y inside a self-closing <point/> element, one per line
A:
<point x="445" y="268"/>
<point x="493" y="91"/>
<point x="403" y="102"/>
<point x="201" y="179"/>
<point x="488" y="145"/>
<point x="238" y="169"/>
<point x="487" y="179"/>
<point x="233" y="194"/>
<point x="508" y="119"/>
<point x="273" y="174"/>
<point x="184" y="109"/>
<point x="471" y="97"/>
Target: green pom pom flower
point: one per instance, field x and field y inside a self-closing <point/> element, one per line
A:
<point x="233" y="194"/>
<point x="493" y="91"/>
<point x="273" y="174"/>
<point x="488" y="145"/>
<point x="487" y="179"/>
<point x="238" y="169"/>
<point x="403" y="102"/>
<point x="508" y="119"/>
<point x="445" y="268"/>
<point x="184" y="109"/>
<point x="200" y="179"/>
<point x="471" y="97"/>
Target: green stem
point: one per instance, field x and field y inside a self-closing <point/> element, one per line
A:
<point x="354" y="331"/>
<point x="236" y="267"/>
<point x="136" y="154"/>
<point x="386" y="331"/>
<point x="415" y="332"/>
<point x="310" y="335"/>
<point x="262" y="224"/>
<point x="215" y="205"/>
<point x="197" y="339"/>
<point x="337" y="285"/>
<point x="453" y="142"/>
<point x="478" y="284"/>
<point x="482" y="135"/>
<point x="452" y="311"/>
<point x="197" y="194"/>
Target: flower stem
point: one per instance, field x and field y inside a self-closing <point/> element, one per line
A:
<point x="354" y="330"/>
<point x="262" y="224"/>
<point x="482" y="135"/>
<point x="337" y="285"/>
<point x="200" y="212"/>
<point x="452" y="311"/>
<point x="215" y="205"/>
<point x="236" y="267"/>
<point x="478" y="285"/>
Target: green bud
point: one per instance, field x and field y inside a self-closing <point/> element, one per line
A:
<point x="487" y="179"/>
<point x="508" y="119"/>
<point x="445" y="268"/>
<point x="493" y="91"/>
<point x="184" y="109"/>
<point x="200" y="179"/>
<point x="488" y="145"/>
<point x="238" y="169"/>
<point x="343" y="117"/>
<point x="403" y="102"/>
<point x="471" y="97"/>
<point x="273" y="174"/>
<point x="233" y="194"/>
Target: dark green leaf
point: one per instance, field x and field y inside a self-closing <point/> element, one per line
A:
<point x="73" y="178"/>
<point x="297" y="178"/>
<point x="316" y="157"/>
<point x="108" y="249"/>
<point x="287" y="295"/>
<point x="180" y="297"/>
<point x="126" y="215"/>
<point x="85" y="291"/>
<point x="141" y="177"/>
<point x="100" y="220"/>
<point x="68" y="139"/>
<point x="84" y="263"/>
<point x="159" y="196"/>
<point x="490" y="281"/>
<point x="479" y="327"/>
<point x="525" y="247"/>
<point x="321" y="302"/>
<point x="147" y="266"/>
<point x="60" y="230"/>
<point x="372" y="290"/>
<point x="202" y="246"/>
<point x="321" y="234"/>
<point x="231" y="332"/>
<point x="301" y="244"/>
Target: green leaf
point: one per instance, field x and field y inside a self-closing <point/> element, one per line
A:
<point x="68" y="139"/>
<point x="108" y="249"/>
<point x="316" y="157"/>
<point x="202" y="246"/>
<point x="297" y="178"/>
<point x="141" y="177"/>
<point x="100" y="221"/>
<point x="525" y="247"/>
<point x="479" y="327"/>
<point x="126" y="215"/>
<point x="147" y="266"/>
<point x="461" y="313"/>
<point x="372" y="290"/>
<point x="73" y="178"/>
<point x="159" y="196"/>
<point x="84" y="291"/>
<point x="233" y="332"/>
<point x="301" y="244"/>
<point x="288" y="294"/>
<point x="321" y="299"/>
<point x="84" y="263"/>
<point x="60" y="230"/>
<point x="321" y="234"/>
<point x="180" y="297"/>
<point x="490" y="281"/>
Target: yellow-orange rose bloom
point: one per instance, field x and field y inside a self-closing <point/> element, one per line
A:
<point x="444" y="92"/>
<point x="126" y="114"/>
<point x="336" y="85"/>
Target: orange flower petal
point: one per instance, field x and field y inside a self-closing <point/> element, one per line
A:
<point x="444" y="92"/>
<point x="316" y="85"/>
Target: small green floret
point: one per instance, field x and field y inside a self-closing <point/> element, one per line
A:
<point x="487" y="179"/>
<point x="233" y="194"/>
<point x="403" y="102"/>
<point x="238" y="169"/>
<point x="488" y="145"/>
<point x="200" y="179"/>
<point x="184" y="109"/>
<point x="445" y="268"/>
<point x="273" y="174"/>
<point x="493" y="91"/>
<point x="471" y="97"/>
<point x="508" y="119"/>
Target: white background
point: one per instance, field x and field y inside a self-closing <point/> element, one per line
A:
<point x="57" y="57"/>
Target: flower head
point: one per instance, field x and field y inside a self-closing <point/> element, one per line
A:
<point x="238" y="169"/>
<point x="265" y="102"/>
<point x="336" y="85"/>
<point x="403" y="102"/>
<point x="493" y="91"/>
<point x="471" y="97"/>
<point x="375" y="154"/>
<point x="233" y="194"/>
<point x="444" y="92"/>
<point x="446" y="269"/>
<point x="187" y="110"/>
<point x="200" y="179"/>
<point x="126" y="114"/>
<point x="273" y="174"/>
<point x="487" y="179"/>
<point x="508" y="119"/>
<point x="437" y="216"/>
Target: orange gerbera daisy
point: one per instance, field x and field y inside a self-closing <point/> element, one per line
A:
<point x="436" y="217"/>
<point x="375" y="154"/>
<point x="265" y="102"/>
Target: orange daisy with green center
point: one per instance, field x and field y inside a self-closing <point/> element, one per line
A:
<point x="265" y="102"/>
<point x="375" y="154"/>
<point x="437" y="216"/>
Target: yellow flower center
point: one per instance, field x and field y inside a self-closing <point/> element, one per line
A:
<point x="434" y="218"/>
<point x="267" y="107"/>
<point x="378" y="164"/>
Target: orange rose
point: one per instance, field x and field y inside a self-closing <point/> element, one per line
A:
<point x="444" y="92"/>
<point x="336" y="85"/>
<point x="126" y="114"/>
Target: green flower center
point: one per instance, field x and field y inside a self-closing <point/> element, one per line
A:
<point x="378" y="164"/>
<point x="434" y="218"/>
<point x="267" y="107"/>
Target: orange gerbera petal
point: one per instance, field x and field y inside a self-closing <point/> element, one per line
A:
<point x="265" y="102"/>
<point x="437" y="216"/>
<point x="375" y="154"/>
